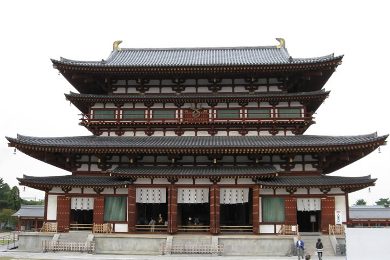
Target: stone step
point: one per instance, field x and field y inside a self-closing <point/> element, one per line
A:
<point x="192" y="239"/>
<point x="74" y="236"/>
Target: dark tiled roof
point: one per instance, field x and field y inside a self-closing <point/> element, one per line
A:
<point x="257" y="96"/>
<point x="73" y="180"/>
<point x="30" y="211"/>
<point x="195" y="171"/>
<point x="369" y="212"/>
<point x="197" y="142"/>
<point x="314" y="181"/>
<point x="177" y="57"/>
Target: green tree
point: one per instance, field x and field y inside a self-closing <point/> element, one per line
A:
<point x="4" y="194"/>
<point x="14" y="198"/>
<point x="361" y="202"/>
<point x="383" y="202"/>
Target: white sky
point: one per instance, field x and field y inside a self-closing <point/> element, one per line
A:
<point x="32" y="32"/>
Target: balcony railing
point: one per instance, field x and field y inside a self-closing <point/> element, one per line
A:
<point x="203" y="118"/>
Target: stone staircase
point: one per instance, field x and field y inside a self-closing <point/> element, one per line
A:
<point x="192" y="244"/>
<point x="310" y="241"/>
<point x="79" y="241"/>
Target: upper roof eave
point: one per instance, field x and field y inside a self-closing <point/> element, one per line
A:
<point x="170" y="58"/>
<point x="211" y="144"/>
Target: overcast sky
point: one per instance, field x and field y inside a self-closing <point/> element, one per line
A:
<point x="32" y="32"/>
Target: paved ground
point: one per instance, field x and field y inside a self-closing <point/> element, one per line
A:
<point x="77" y="256"/>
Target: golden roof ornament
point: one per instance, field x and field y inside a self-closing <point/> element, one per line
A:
<point x="115" y="46"/>
<point x="282" y="43"/>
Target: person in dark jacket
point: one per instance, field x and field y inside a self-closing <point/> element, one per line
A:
<point x="319" y="247"/>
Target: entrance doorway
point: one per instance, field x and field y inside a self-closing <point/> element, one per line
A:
<point x="309" y="221"/>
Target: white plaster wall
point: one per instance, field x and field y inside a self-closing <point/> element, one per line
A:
<point x="75" y="190"/>
<point x="121" y="228"/>
<point x="121" y="191"/>
<point x="160" y="181"/>
<point x="301" y="191"/>
<point x="51" y="207"/>
<point x="203" y="181"/>
<point x="315" y="191"/>
<point x="143" y="181"/>
<point x="56" y="190"/>
<point x="340" y="206"/>
<point x="244" y="181"/>
<point x="83" y="167"/>
<point x="281" y="192"/>
<point x="367" y="243"/>
<point x="266" y="229"/>
<point x="108" y="191"/>
<point x="266" y="192"/>
<point x="89" y="191"/>
<point x="227" y="181"/>
<point x="184" y="181"/>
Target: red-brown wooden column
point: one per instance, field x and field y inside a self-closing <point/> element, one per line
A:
<point x="172" y="209"/>
<point x="98" y="210"/>
<point x="212" y="210"/>
<point x="255" y="209"/>
<point x="217" y="209"/>
<point x="63" y="213"/>
<point x="290" y="211"/>
<point x="327" y="213"/>
<point x="45" y="212"/>
<point x="132" y="208"/>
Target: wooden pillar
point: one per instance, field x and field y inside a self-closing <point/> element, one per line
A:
<point x="290" y="211"/>
<point x="131" y="208"/>
<point x="347" y="208"/>
<point x="212" y="209"/>
<point x="45" y="208"/>
<point x="255" y="209"/>
<point x="98" y="210"/>
<point x="217" y="204"/>
<point x="63" y="213"/>
<point x="327" y="213"/>
<point x="172" y="209"/>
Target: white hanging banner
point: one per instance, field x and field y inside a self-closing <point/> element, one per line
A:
<point x="308" y="204"/>
<point x="81" y="203"/>
<point x="193" y="195"/>
<point x="234" y="196"/>
<point x="151" y="195"/>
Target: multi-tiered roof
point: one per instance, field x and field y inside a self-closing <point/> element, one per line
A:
<point x="295" y="80"/>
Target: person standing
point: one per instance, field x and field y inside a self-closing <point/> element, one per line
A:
<point x="319" y="247"/>
<point x="300" y="245"/>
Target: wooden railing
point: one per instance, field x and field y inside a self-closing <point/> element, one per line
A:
<point x="191" y="248"/>
<point x="74" y="226"/>
<point x="50" y="245"/>
<point x="102" y="228"/>
<point x="49" y="227"/>
<point x="151" y="228"/>
<point x="235" y="229"/>
<point x="336" y="230"/>
<point x="194" y="228"/>
<point x="289" y="230"/>
<point x="9" y="239"/>
<point x="242" y="117"/>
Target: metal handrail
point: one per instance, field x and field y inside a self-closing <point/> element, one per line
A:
<point x="236" y="228"/>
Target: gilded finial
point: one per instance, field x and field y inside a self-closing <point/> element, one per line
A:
<point x="115" y="45"/>
<point x="282" y="43"/>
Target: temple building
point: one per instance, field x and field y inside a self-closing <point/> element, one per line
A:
<point x="204" y="140"/>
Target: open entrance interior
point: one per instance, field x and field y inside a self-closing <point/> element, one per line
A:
<point x="81" y="219"/>
<point x="236" y="213"/>
<point x="309" y="221"/>
<point x="193" y="217"/>
<point x="308" y="214"/>
<point x="81" y="213"/>
<point x="152" y="217"/>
